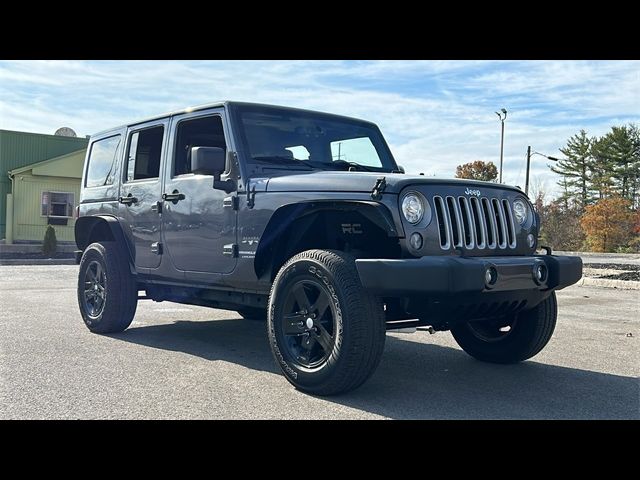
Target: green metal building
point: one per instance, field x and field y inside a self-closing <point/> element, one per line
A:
<point x="39" y="184"/>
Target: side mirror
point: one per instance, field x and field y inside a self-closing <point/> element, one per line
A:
<point x="400" y="169"/>
<point x="212" y="161"/>
<point x="208" y="161"/>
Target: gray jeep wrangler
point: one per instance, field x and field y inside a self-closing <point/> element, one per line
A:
<point x="304" y="219"/>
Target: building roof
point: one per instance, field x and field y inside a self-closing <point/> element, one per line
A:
<point x="18" y="149"/>
<point x="40" y="168"/>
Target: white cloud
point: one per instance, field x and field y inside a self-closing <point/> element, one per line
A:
<point x="435" y="114"/>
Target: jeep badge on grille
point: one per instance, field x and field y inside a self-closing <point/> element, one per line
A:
<point x="472" y="192"/>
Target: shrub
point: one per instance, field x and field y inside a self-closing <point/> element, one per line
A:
<point x="50" y="243"/>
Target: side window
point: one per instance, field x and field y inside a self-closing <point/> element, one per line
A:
<point x="359" y="150"/>
<point x="103" y="160"/>
<point x="199" y="132"/>
<point x="145" y="151"/>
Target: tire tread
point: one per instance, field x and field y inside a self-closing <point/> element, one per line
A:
<point x="361" y="309"/>
<point x="117" y="315"/>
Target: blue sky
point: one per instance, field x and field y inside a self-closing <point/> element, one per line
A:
<point x="434" y="114"/>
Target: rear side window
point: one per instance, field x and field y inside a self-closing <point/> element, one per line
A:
<point x="103" y="160"/>
<point x="145" y="150"/>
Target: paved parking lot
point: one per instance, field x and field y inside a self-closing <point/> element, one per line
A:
<point x="179" y="361"/>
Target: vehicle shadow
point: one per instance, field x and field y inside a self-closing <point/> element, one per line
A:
<point x="421" y="381"/>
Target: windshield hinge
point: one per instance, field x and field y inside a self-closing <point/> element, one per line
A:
<point x="378" y="188"/>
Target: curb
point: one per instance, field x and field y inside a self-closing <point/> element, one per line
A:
<point x="633" y="256"/>
<point x="38" y="261"/>
<point x="17" y="248"/>
<point x="609" y="283"/>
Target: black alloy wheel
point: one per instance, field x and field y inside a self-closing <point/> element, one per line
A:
<point x="308" y="323"/>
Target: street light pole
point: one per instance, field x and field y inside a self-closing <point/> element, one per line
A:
<point x="526" y="182"/>
<point x="529" y="154"/>
<point x="502" y="115"/>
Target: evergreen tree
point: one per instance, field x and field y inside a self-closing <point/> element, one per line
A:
<point x="617" y="156"/>
<point x="622" y="146"/>
<point x="576" y="170"/>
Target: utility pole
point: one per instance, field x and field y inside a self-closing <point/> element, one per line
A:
<point x="526" y="182"/>
<point x="502" y="115"/>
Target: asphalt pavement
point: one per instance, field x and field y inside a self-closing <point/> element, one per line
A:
<point x="179" y="361"/>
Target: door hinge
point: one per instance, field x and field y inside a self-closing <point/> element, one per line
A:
<point x="378" y="188"/>
<point x="156" y="247"/>
<point x="157" y="207"/>
<point x="231" y="202"/>
<point x="231" y="250"/>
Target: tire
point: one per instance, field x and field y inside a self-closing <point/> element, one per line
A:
<point x="530" y="332"/>
<point x="333" y="335"/>
<point x="114" y="311"/>
<point x="251" y="313"/>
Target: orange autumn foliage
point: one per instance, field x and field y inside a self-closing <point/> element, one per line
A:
<point x="608" y="224"/>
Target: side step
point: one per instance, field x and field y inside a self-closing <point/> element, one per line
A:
<point x="408" y="326"/>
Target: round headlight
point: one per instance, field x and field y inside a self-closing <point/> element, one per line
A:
<point x="413" y="208"/>
<point x="520" y="211"/>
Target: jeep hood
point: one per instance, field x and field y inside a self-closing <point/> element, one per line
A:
<point x="362" y="182"/>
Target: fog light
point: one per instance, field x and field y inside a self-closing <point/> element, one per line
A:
<point x="490" y="276"/>
<point x="540" y="274"/>
<point x="531" y="240"/>
<point x="416" y="241"/>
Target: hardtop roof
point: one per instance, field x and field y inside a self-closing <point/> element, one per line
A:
<point x="224" y="103"/>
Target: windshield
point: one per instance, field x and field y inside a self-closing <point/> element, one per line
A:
<point x="281" y="138"/>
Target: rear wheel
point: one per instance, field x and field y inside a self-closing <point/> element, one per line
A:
<point x="107" y="291"/>
<point x="326" y="331"/>
<point x="509" y="339"/>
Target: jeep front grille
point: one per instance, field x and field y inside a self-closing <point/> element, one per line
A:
<point x="471" y="223"/>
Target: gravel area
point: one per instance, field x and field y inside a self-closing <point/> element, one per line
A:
<point x="629" y="272"/>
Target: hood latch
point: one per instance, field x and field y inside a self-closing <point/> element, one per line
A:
<point x="378" y="188"/>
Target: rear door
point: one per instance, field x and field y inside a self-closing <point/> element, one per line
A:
<point x="199" y="227"/>
<point x="141" y="193"/>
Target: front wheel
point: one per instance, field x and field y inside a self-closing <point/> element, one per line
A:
<point x="509" y="339"/>
<point x="326" y="331"/>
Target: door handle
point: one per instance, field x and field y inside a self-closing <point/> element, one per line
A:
<point x="128" y="200"/>
<point x="174" y="197"/>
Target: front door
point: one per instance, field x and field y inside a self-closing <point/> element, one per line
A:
<point x="141" y="191"/>
<point x="199" y="230"/>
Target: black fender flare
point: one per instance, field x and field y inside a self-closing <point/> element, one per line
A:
<point x="87" y="225"/>
<point x="285" y="215"/>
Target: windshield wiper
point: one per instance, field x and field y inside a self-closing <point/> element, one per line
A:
<point x="281" y="160"/>
<point x="355" y="165"/>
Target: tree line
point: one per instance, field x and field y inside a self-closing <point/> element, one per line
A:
<point x="597" y="168"/>
<point x="599" y="205"/>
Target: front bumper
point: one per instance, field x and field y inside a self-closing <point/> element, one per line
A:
<point x="452" y="275"/>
